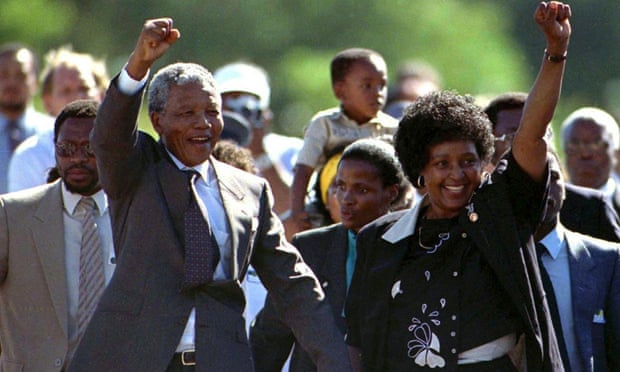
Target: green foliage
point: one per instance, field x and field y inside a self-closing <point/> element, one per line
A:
<point x="36" y="23"/>
<point x="481" y="47"/>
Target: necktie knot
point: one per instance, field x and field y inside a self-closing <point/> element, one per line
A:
<point x="86" y="206"/>
<point x="541" y="250"/>
<point x="192" y="175"/>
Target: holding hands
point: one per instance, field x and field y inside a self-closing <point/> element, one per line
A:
<point x="156" y="37"/>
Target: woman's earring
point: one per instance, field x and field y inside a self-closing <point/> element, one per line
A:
<point x="420" y="181"/>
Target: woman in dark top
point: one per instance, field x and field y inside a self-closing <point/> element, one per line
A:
<point x="368" y="181"/>
<point x="453" y="283"/>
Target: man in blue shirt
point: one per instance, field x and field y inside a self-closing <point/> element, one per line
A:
<point x="585" y="276"/>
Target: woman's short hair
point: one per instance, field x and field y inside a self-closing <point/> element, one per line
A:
<point x="436" y="118"/>
<point x="379" y="154"/>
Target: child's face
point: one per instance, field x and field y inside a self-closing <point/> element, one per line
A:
<point x="363" y="91"/>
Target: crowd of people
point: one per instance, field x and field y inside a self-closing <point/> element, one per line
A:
<point x="413" y="229"/>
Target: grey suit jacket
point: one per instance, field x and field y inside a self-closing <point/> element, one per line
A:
<point x="142" y="314"/>
<point x="595" y="288"/>
<point x="33" y="286"/>
<point x="325" y="251"/>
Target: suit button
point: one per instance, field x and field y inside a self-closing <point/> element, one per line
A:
<point x="58" y="362"/>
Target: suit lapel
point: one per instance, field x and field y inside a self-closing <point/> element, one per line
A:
<point x="48" y="234"/>
<point x="242" y="225"/>
<point x="583" y="291"/>
<point x="174" y="186"/>
<point x="334" y="262"/>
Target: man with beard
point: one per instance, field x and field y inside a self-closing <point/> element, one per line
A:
<point x="56" y="253"/>
<point x="18" y="120"/>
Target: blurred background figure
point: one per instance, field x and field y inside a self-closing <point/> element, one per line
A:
<point x="590" y="140"/>
<point x="504" y="112"/>
<point x="18" y="119"/>
<point x="67" y="76"/>
<point x="246" y="95"/>
<point x="415" y="78"/>
<point x="230" y="152"/>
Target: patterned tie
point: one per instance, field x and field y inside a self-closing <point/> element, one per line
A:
<point x="201" y="249"/>
<point x="553" y="305"/>
<point x="92" y="279"/>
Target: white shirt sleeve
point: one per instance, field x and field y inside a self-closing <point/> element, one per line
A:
<point x="128" y="85"/>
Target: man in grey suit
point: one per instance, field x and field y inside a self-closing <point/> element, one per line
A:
<point x="159" y="311"/>
<point x="40" y="244"/>
<point x="585" y="278"/>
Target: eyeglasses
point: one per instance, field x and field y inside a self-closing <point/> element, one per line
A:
<point x="68" y="150"/>
<point x="577" y="147"/>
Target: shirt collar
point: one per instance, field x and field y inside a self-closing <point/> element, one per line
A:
<point x="609" y="187"/>
<point x="405" y="226"/>
<point x="341" y="115"/>
<point x="555" y="240"/>
<point x="204" y="169"/>
<point x="71" y="200"/>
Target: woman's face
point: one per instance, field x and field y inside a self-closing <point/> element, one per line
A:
<point x="451" y="175"/>
<point x="361" y="194"/>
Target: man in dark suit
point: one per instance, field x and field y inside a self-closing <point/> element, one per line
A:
<point x="586" y="211"/>
<point x="41" y="297"/>
<point x="585" y="277"/>
<point x="161" y="311"/>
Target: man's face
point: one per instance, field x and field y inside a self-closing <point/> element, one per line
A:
<point x="17" y="81"/>
<point x="70" y="84"/>
<point x="74" y="158"/>
<point x="191" y="122"/>
<point x="504" y="131"/>
<point x="589" y="154"/>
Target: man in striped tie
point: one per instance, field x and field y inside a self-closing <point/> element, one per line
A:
<point x="56" y="253"/>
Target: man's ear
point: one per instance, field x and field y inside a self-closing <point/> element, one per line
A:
<point x="338" y="88"/>
<point x="155" y="116"/>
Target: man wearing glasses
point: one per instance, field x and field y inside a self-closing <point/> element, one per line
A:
<point x="56" y="253"/>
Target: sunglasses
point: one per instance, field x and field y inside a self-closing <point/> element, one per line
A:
<point x="68" y="150"/>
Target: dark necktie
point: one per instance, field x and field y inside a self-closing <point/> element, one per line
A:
<point x="14" y="134"/>
<point x="553" y="305"/>
<point x="201" y="249"/>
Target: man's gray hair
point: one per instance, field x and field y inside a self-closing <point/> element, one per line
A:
<point x="596" y="115"/>
<point x="176" y="74"/>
